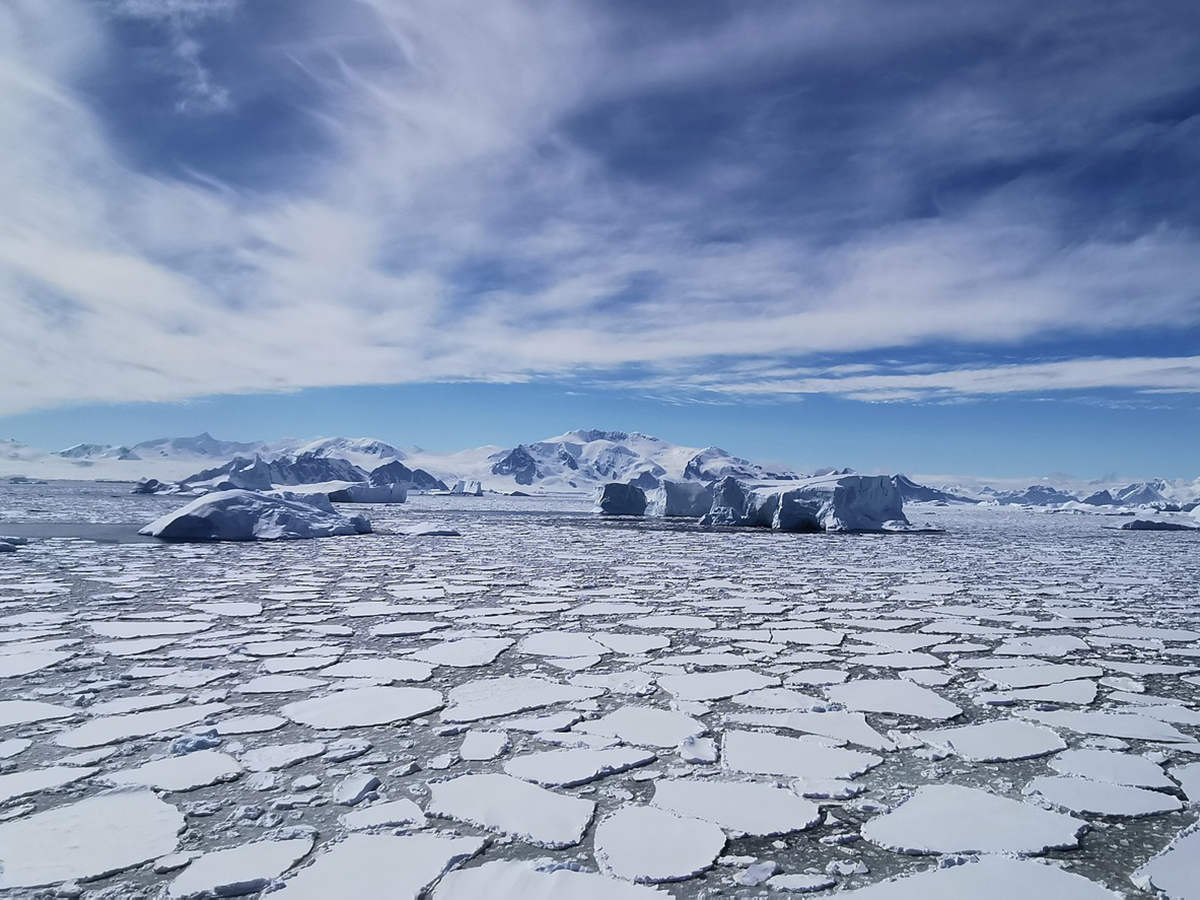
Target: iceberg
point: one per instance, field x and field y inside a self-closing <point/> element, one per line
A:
<point x="467" y="488"/>
<point x="679" y="499"/>
<point x="239" y="515"/>
<point x="616" y="499"/>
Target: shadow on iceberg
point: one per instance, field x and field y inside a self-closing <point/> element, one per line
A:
<point x="240" y="515"/>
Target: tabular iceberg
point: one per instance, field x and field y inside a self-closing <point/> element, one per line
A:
<point x="246" y="516"/>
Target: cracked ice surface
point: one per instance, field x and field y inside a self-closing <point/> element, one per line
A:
<point x="551" y="706"/>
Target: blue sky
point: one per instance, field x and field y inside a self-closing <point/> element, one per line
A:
<point x="931" y="235"/>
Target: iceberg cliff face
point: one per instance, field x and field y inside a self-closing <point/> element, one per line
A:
<point x="246" y="516"/>
<point x="831" y="504"/>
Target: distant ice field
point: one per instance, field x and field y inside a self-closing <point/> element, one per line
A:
<point x="554" y="705"/>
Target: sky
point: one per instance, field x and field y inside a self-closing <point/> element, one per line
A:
<point x="929" y="235"/>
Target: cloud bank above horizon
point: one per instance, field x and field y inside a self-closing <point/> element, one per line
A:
<point x="879" y="201"/>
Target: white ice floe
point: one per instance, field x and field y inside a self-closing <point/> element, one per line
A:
<point x="384" y="671"/>
<point x="180" y="773"/>
<point x="951" y="818"/>
<point x="240" y="870"/>
<point x="779" y="698"/>
<point x="464" y="653"/>
<point x="24" y="712"/>
<point x="280" y="756"/>
<point x="1115" y="768"/>
<point x="536" y="880"/>
<point x="247" y="516"/>
<point x="988" y="878"/>
<point x="841" y="726"/>
<point x="279" y="684"/>
<point x="760" y="810"/>
<point x="16" y="664"/>
<point x="892" y="696"/>
<point x="389" y="814"/>
<point x="483" y="745"/>
<point x="714" y="685"/>
<point x="254" y="724"/>
<point x="758" y="753"/>
<point x="1175" y="872"/>
<point x="358" y="707"/>
<point x="513" y="807"/>
<point x="646" y="844"/>
<point x="380" y="867"/>
<point x="492" y="697"/>
<point x="79" y="841"/>
<point x="1121" y="725"/>
<point x="1016" y="677"/>
<point x="1101" y="798"/>
<point x="645" y="726"/>
<point x="1188" y="777"/>
<point x="111" y="729"/>
<point x="1003" y="739"/>
<point x="567" y="768"/>
<point x="32" y="781"/>
<point x="561" y="644"/>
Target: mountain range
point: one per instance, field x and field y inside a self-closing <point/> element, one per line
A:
<point x="575" y="461"/>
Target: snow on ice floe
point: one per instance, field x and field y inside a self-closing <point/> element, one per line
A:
<point x="464" y="653"/>
<point x="180" y="773"/>
<point x="239" y="870"/>
<point x="387" y="814"/>
<point x="645" y="844"/>
<point x="79" y="841"/>
<point x="1175" y="872"/>
<point x="1115" y="768"/>
<point x="988" y="878"/>
<point x="513" y="807"/>
<point x="536" y="880"/>
<point x="762" y="810"/>
<point x="23" y="712"/>
<point x="1101" y="798"/>
<point x="714" y="685"/>
<point x="759" y="753"/>
<point x="248" y="516"/>
<point x="567" y="768"/>
<point x="645" y="726"/>
<point x="32" y="781"/>
<point x="1016" y="677"/>
<point x="481" y="745"/>
<point x="951" y="818"/>
<point x="892" y="696"/>
<point x="1003" y="739"/>
<point x="1120" y="725"/>
<point x="357" y="707"/>
<point x="380" y="867"/>
<point x="493" y="697"/>
<point x="280" y="756"/>
<point x="840" y="726"/>
<point x="113" y="729"/>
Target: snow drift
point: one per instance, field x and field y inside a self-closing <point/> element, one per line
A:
<point x="239" y="515"/>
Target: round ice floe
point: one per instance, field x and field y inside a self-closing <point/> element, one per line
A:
<point x="181" y="773"/>
<point x="534" y="880"/>
<point x="239" y="870"/>
<point x="950" y="818"/>
<point x="94" y="837"/>
<point x="760" y="810"/>
<point x="514" y="807"/>
<point x="645" y="844"/>
<point x="359" y="707"/>
<point x="379" y="865"/>
<point x="567" y="768"/>
<point x="464" y="653"/>
<point x="892" y="696"/>
<point x="1005" y="739"/>
<point x="989" y="878"/>
<point x="1101" y="798"/>
<point x="759" y="753"/>
<point x="645" y="726"/>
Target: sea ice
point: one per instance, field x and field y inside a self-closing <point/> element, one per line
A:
<point x="492" y="697"/>
<point x="645" y="726"/>
<point x="358" y="707"/>
<point x="567" y="768"/>
<point x="1176" y="871"/>
<point x="892" y="696"/>
<point x="646" y="844"/>
<point x="513" y="807"/>
<point x="1115" y="768"/>
<point x="951" y="818"/>
<point x="79" y="841"/>
<point x="534" y="880"/>
<point x="761" y="810"/>
<point x="180" y="773"/>
<point x="240" y="870"/>
<point x="988" y="878"/>
<point x="759" y="753"/>
<point x="1101" y="798"/>
<point x="1003" y="739"/>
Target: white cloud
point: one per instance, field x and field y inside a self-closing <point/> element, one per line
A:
<point x="120" y="285"/>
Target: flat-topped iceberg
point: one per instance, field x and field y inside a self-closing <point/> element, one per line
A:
<point x="247" y="516"/>
<point x="833" y="503"/>
<point x="350" y="492"/>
